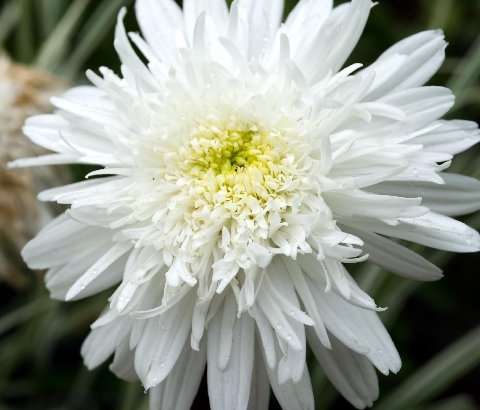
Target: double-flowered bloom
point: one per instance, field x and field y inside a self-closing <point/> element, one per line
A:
<point x="242" y="168"/>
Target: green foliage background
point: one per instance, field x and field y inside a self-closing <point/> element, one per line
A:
<point x="435" y="325"/>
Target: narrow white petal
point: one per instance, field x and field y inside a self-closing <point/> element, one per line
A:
<point x="161" y="341"/>
<point x="374" y="206"/>
<point x="230" y="388"/>
<point x="459" y="195"/>
<point x="290" y="395"/>
<point x="160" y="21"/>
<point x="308" y="300"/>
<point x="450" y="137"/>
<point x="397" y="258"/>
<point x="50" y="159"/>
<point x="351" y="373"/>
<point x="263" y="19"/>
<point x="422" y="105"/>
<point x="59" y="240"/>
<point x="226" y="332"/>
<point x="114" y="253"/>
<point x="432" y="230"/>
<point x="408" y="64"/>
<point x="328" y="49"/>
<point x="278" y="319"/>
<point x="102" y="342"/>
<point x="305" y="19"/>
<point x="359" y="329"/>
<point x="215" y="9"/>
<point x="260" y="390"/>
<point x="171" y="336"/>
<point x="60" y="280"/>
<point x="178" y="391"/>
<point x="266" y="335"/>
<point x="122" y="365"/>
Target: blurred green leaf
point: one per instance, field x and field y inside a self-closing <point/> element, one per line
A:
<point x="454" y="403"/>
<point x="56" y="45"/>
<point x="80" y="387"/>
<point x="8" y="19"/>
<point x="437" y="375"/>
<point x="23" y="314"/>
<point x="440" y="13"/>
<point x="50" y="12"/>
<point x="94" y="31"/>
<point x="24" y="36"/>
<point x="131" y="396"/>
<point x="468" y="70"/>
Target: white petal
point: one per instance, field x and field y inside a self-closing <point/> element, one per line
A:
<point x="281" y="288"/>
<point x="45" y="130"/>
<point x="263" y="17"/>
<point x="230" y="388"/>
<point x="97" y="269"/>
<point x="351" y="373"/>
<point x="56" y="194"/>
<point x="421" y="105"/>
<point x="226" y="332"/>
<point x="290" y="395"/>
<point x="129" y="58"/>
<point x="42" y="160"/>
<point x="459" y="195"/>
<point x="266" y="335"/>
<point x="278" y="319"/>
<point x="162" y="342"/>
<point x="450" y="137"/>
<point x="260" y="390"/>
<point x="374" y="206"/>
<point x="432" y="230"/>
<point x="359" y="329"/>
<point x="308" y="300"/>
<point x="60" y="280"/>
<point x="278" y="283"/>
<point x="215" y="9"/>
<point x="160" y="21"/>
<point x="102" y="342"/>
<point x="328" y="49"/>
<point x="59" y="240"/>
<point x="305" y="19"/>
<point x="397" y="258"/>
<point x="122" y="365"/>
<point x="408" y="64"/>
<point x="178" y="391"/>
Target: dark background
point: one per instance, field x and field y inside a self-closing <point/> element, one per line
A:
<point x="40" y="364"/>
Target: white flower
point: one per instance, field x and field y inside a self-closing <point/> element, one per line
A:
<point x="243" y="167"/>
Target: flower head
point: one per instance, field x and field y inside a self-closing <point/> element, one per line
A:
<point x="242" y="167"/>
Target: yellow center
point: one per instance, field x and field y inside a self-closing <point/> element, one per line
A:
<point x="234" y="165"/>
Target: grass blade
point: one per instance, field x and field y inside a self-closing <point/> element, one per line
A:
<point x="454" y="403"/>
<point x="447" y="367"/>
<point x="50" y="12"/>
<point x="54" y="48"/>
<point x="441" y="13"/>
<point x="24" y="40"/>
<point x="468" y="70"/>
<point x="8" y="19"/>
<point x="23" y="314"/>
<point x="94" y="31"/>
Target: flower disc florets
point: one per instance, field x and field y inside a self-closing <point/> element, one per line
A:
<point x="239" y="165"/>
<point x="237" y="184"/>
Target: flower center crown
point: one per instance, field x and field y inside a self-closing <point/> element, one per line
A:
<point x="235" y="164"/>
<point x="231" y="150"/>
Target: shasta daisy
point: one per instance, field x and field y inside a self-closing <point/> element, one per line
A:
<point x="242" y="166"/>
